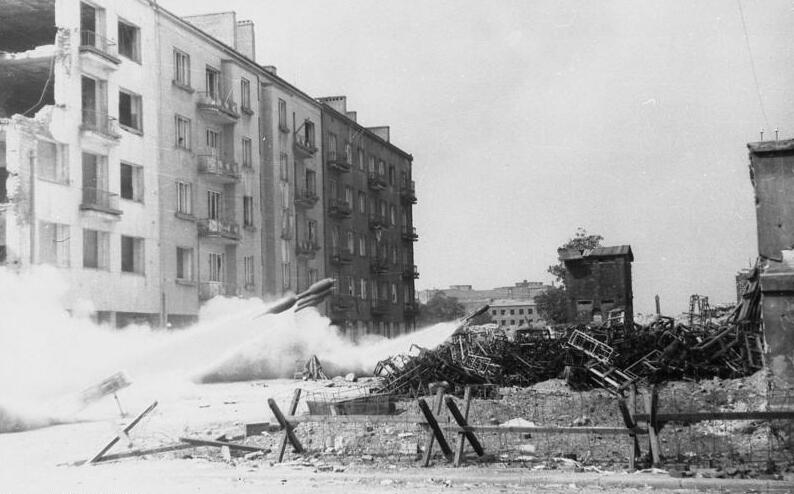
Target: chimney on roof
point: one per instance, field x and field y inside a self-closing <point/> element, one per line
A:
<point x="245" y="39"/>
<point x="338" y="103"/>
<point x="382" y="132"/>
<point x="270" y="69"/>
<point x="352" y="115"/>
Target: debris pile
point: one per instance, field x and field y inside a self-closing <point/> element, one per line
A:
<point x="611" y="355"/>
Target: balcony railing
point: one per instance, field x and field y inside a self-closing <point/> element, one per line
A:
<point x="410" y="272"/>
<point x="99" y="45"/>
<point x="339" y="162"/>
<point x="379" y="265"/>
<point x="304" y="145"/>
<point x="379" y="308"/>
<point x="212" y="164"/>
<point x="100" y="200"/>
<point x="409" y="233"/>
<point x="376" y="181"/>
<point x="101" y="123"/>
<point x="218" y="108"/>
<point x="408" y="192"/>
<point x="341" y="256"/>
<point x="339" y="208"/>
<point x="378" y="222"/>
<point x="219" y="228"/>
<point x="307" y="248"/>
<point x="210" y="289"/>
<point x="305" y="197"/>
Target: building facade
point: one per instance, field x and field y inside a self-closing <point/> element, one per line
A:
<point x="513" y="314"/>
<point x="598" y="281"/>
<point x="472" y="299"/>
<point x="369" y="193"/>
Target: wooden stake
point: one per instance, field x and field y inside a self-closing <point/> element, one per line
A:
<point x="466" y="407"/>
<point x="431" y="433"/>
<point x="651" y="402"/>
<point x="435" y="430"/>
<point x="289" y="435"/>
<point x="475" y="444"/>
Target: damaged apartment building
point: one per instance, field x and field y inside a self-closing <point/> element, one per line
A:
<point x="152" y="161"/>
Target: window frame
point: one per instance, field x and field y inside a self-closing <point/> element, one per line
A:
<point x="181" y="72"/>
<point x="135" y="56"/>
<point x="136" y="100"/>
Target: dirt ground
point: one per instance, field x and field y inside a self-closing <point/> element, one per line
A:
<point x="362" y="459"/>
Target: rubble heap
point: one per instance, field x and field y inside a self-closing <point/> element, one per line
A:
<point x="611" y="355"/>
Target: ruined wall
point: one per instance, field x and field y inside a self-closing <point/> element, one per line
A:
<point x="597" y="285"/>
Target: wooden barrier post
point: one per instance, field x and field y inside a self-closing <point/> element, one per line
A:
<point x="630" y="424"/>
<point x="651" y="405"/>
<point x="467" y="434"/>
<point x="124" y="432"/>
<point x="466" y="407"/>
<point x="437" y="404"/>
<point x="435" y="430"/>
<point x="289" y="434"/>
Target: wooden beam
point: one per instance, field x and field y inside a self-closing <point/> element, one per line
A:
<point x="431" y="433"/>
<point x="693" y="417"/>
<point x="630" y="424"/>
<point x="435" y="430"/>
<point x="220" y="444"/>
<point x="293" y="407"/>
<point x="469" y="435"/>
<point x="125" y="431"/>
<point x="289" y="434"/>
<point x="461" y="442"/>
<point x="651" y="401"/>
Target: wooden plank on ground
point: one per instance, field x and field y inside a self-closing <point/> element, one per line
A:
<point x="219" y="444"/>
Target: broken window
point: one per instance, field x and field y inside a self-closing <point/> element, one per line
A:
<point x="96" y="249"/>
<point x="129" y="41"/>
<point x="131" y="182"/>
<point x="54" y="244"/>
<point x="130" y="110"/>
<point x="51" y="160"/>
<point x="184" y="264"/>
<point x="182" y="131"/>
<point x="181" y="68"/>
<point x="132" y="255"/>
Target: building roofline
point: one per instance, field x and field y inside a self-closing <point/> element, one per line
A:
<point x="369" y="133"/>
<point x="259" y="69"/>
<point x="762" y="147"/>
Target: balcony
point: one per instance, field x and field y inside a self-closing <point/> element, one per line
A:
<point x="410" y="272"/>
<point x="379" y="308"/>
<point x="408" y="192"/>
<point x="341" y="257"/>
<point x="341" y="303"/>
<point x="378" y="222"/>
<point x="220" y="169"/>
<point x="305" y="198"/>
<point x="303" y="146"/>
<point x="101" y="201"/>
<point x="339" y="209"/>
<point x="101" y="125"/>
<point x="216" y="109"/>
<point x="306" y="249"/>
<point x="339" y="162"/>
<point x="409" y="233"/>
<point x="216" y="228"/>
<point x="211" y="289"/>
<point x="99" y="50"/>
<point x="376" y="182"/>
<point x="379" y="266"/>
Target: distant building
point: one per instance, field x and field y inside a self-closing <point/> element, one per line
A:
<point x="514" y="314"/>
<point x="597" y="281"/>
<point x="473" y="299"/>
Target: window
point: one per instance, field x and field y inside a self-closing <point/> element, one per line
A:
<point x="130" y="41"/>
<point x="512" y="312"/>
<point x="184" y="198"/>
<point x="349" y="195"/>
<point x="335" y="237"/>
<point x="245" y="94"/>
<point x="247" y="156"/>
<point x="130" y="109"/>
<point x="213" y="83"/>
<point x="311" y="181"/>
<point x="311" y="227"/>
<point x="348" y="153"/>
<point x="213" y="205"/>
<point x="351" y="286"/>
<point x="214" y="142"/>
<point x="182" y="127"/>
<point x="181" y="68"/>
<point x="216" y="271"/>
<point x="248" y="271"/>
<point x="381" y="168"/>
<point x="308" y="133"/>
<point x="394" y="293"/>
<point x="284" y="166"/>
<point x="351" y="245"/>
<point x="332" y="189"/>
<point x="184" y="264"/>
<point x="248" y="211"/>
<point x="362" y="202"/>
<point x="363" y="288"/>
<point x="51" y="162"/>
<point x="361" y="159"/>
<point x="529" y="311"/>
<point x="96" y="247"/>
<point x="392" y="215"/>
<point x="503" y="312"/>
<point x="331" y="146"/>
<point x="131" y="182"/>
<point x="132" y="255"/>
<point x="282" y="115"/>
<point x="493" y="312"/>
<point x="520" y="312"/>
<point x="54" y="244"/>
<point x="371" y="167"/>
<point x="392" y="175"/>
<point x="362" y="245"/>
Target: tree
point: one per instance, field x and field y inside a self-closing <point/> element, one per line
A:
<point x="552" y="303"/>
<point x="440" y="308"/>
<point x="580" y="241"/>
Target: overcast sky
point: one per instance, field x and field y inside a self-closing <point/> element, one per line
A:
<point x="528" y="119"/>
